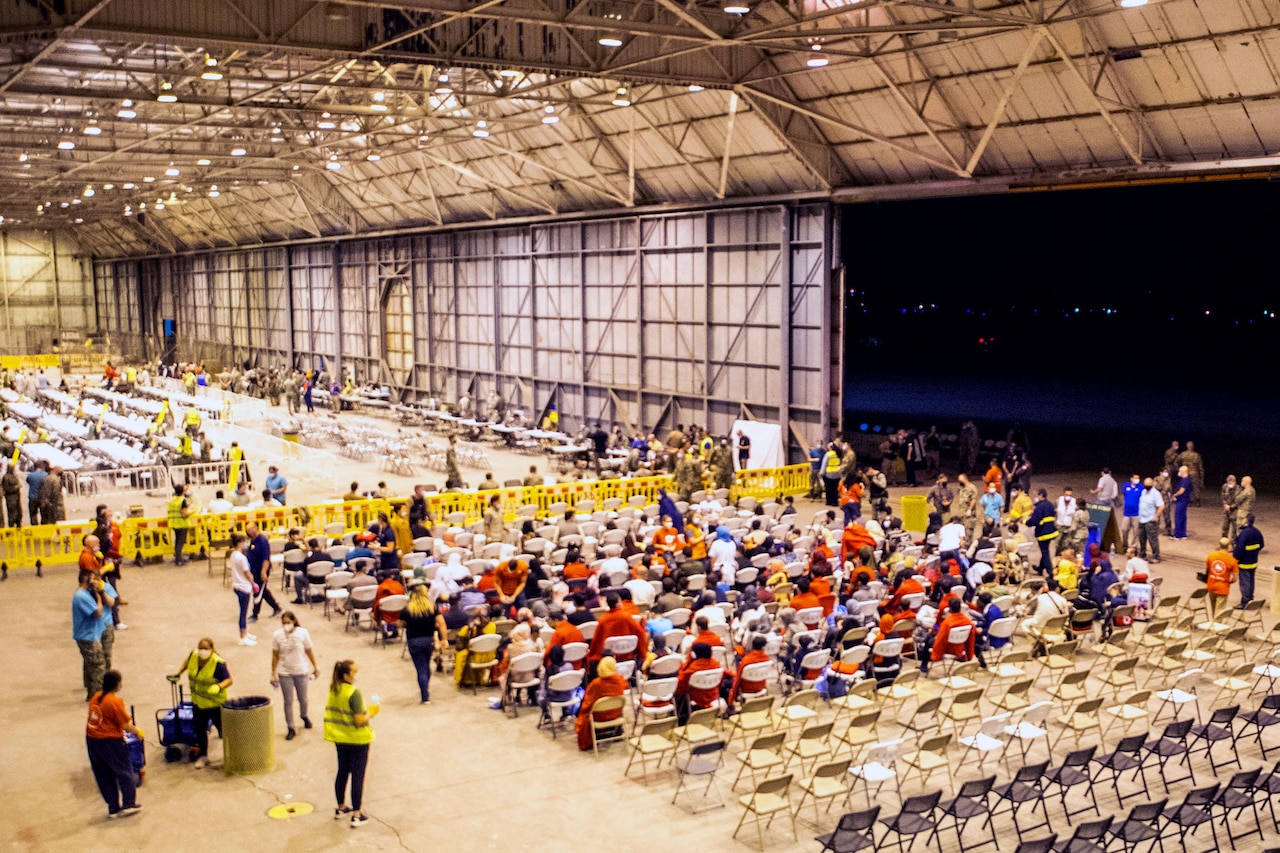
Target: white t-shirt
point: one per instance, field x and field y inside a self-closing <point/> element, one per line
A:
<point x="292" y="647"/>
<point x="220" y="505"/>
<point x="949" y="536"/>
<point x="642" y="592"/>
<point x="241" y="577"/>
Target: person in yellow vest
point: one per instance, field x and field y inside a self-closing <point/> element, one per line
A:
<point x="185" y="449"/>
<point x="706" y="446"/>
<point x="191" y="421"/>
<point x="179" y="511"/>
<point x="209" y="678"/>
<point x="346" y="726"/>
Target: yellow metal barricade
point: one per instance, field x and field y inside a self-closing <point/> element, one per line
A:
<point x="765" y="483"/>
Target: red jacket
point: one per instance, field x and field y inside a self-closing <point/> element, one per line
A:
<point x="617" y="623"/>
<point x="943" y="646"/>
<point x="701" y="698"/>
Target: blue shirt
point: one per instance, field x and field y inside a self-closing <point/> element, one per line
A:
<point x="1148" y="503"/>
<point x="107" y="620"/>
<point x="992" y="503"/>
<point x="1187" y="488"/>
<point x="85" y="626"/>
<point x="258" y="554"/>
<point x="659" y="626"/>
<point x="34" y="479"/>
<point x="1132" y="494"/>
<point x="390" y="559"/>
<point x="277" y="482"/>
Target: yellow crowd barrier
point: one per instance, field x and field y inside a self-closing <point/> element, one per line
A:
<point x="148" y="539"/>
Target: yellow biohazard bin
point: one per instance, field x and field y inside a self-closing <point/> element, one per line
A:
<point x="915" y="513"/>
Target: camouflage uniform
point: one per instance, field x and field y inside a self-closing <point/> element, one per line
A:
<point x="453" y="479"/>
<point x="722" y="466"/>
<point x="686" y="477"/>
<point x="1171" y="459"/>
<point x="1165" y="486"/>
<point x="1195" y="467"/>
<point x="1245" y="497"/>
<point x="965" y="508"/>
<point x="1230" y="494"/>
<point x="1078" y="533"/>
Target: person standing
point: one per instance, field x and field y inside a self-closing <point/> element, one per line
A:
<point x="209" y="678"/>
<point x="1164" y="484"/>
<point x="1230" y="490"/>
<point x="12" y="497"/>
<point x="940" y="497"/>
<point x="1150" y="507"/>
<point x="241" y="584"/>
<point x="744" y="451"/>
<point x="346" y="726"/>
<point x="1106" y="492"/>
<point x="293" y="666"/>
<point x="932" y="452"/>
<point x="915" y="456"/>
<point x="1190" y="458"/>
<point x="1066" y="510"/>
<point x="276" y="484"/>
<point x="1245" y="499"/>
<point x="306" y="396"/>
<point x="52" y="508"/>
<point x="179" y="511"/>
<point x="495" y="528"/>
<point x="424" y="627"/>
<point x="1171" y="454"/>
<point x="35" y="478"/>
<point x="1221" y="569"/>
<point x="453" y="479"/>
<point x="831" y="475"/>
<point x="1131" y="495"/>
<point x="86" y="629"/>
<point x="291" y="393"/>
<point x="258" y="554"/>
<point x="965" y="508"/>
<point x="1046" y="530"/>
<point x="1181" y="501"/>
<point x="1249" y="544"/>
<point x="108" y="752"/>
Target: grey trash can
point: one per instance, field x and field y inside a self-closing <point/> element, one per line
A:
<point x="248" y="735"/>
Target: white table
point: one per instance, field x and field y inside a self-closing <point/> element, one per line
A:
<point x="65" y="426"/>
<point x="121" y="454"/>
<point x="50" y="454"/>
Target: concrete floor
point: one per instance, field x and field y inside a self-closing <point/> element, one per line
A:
<point x="453" y="775"/>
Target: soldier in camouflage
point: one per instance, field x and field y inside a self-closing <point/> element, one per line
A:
<point x="1164" y="486"/>
<point x="965" y="507"/>
<point x="1230" y="491"/>
<point x="1245" y="499"/>
<point x="1195" y="468"/>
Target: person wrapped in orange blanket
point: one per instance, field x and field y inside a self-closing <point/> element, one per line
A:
<point x="606" y="683"/>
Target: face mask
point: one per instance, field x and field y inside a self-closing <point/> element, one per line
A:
<point x="288" y="627"/>
<point x="204" y="654"/>
<point x="1135" y="482"/>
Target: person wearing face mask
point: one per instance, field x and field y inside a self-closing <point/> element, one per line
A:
<point x="242" y="584"/>
<point x="1131" y="494"/>
<point x="293" y="664"/>
<point x="1150" y="508"/>
<point x="209" y="678"/>
<point x="346" y="726"/>
<point x="992" y="503"/>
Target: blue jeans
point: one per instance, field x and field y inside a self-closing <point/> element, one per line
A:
<point x="1180" y="518"/>
<point x="421" y="649"/>
<point x="243" y="598"/>
<point x="1247" y="577"/>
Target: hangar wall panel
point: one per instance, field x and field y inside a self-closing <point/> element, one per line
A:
<point x="647" y="320"/>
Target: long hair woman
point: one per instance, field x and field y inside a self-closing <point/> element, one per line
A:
<point x="424" y="627"/>
<point x="346" y="725"/>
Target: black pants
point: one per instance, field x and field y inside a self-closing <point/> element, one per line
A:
<point x="421" y="649"/>
<point x="201" y="717"/>
<point x="33" y="513"/>
<point x="113" y="771"/>
<point x="14" y="507"/>
<point x="1046" y="562"/>
<point x="832" y="487"/>
<point x="179" y="542"/>
<point x="353" y="758"/>
<point x="264" y="595"/>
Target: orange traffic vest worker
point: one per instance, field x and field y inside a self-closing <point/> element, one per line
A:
<point x="1220" y="573"/>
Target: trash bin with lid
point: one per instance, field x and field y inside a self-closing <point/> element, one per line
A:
<point x="248" y="735"/>
<point x="915" y="512"/>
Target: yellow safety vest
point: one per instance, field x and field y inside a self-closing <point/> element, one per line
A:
<point x="339" y="720"/>
<point x="201" y="678"/>
<point x="184" y="445"/>
<point x="193" y="417"/>
<point x="833" y="462"/>
<point x="131" y="374"/>
<point x="707" y="445"/>
<point x="177" y="521"/>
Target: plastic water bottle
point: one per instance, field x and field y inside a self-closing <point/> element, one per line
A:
<point x="1113" y="552"/>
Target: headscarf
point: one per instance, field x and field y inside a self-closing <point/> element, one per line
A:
<point x="607" y="667"/>
<point x="521" y="641"/>
<point x="666" y="506"/>
<point x="723" y="534"/>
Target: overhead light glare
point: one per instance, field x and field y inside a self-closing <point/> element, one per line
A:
<point x="108" y="186"/>
<point x="203" y="161"/>
<point x="88" y="192"/>
<point x="148" y="180"/>
<point x="378" y="108"/>
<point x="620" y="98"/>
<point x="551" y="119"/>
<point x="173" y="171"/>
<point x="817" y="62"/>
<point x="333" y="165"/>
<point x="373" y="156"/>
<point x="22" y="158"/>
<point x="92" y="129"/>
<point x="736" y="9"/>
<point x="695" y="88"/>
<point x="508" y="72"/>
<point x="1132" y="4"/>
<point x="126" y="110"/>
<point x="610" y="41"/>
<point x="166" y="95"/>
<point x="238" y="152"/>
<point x="129" y="186"/>
<point x="66" y="145"/>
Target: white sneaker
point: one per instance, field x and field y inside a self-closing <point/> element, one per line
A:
<point x="247" y="641"/>
<point x="251" y="636"/>
<point x="122" y="627"/>
<point x="202" y="763"/>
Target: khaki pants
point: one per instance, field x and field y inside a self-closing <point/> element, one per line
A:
<point x="1216" y="604"/>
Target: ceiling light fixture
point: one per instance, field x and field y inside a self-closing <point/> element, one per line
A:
<point x="88" y="191"/>
<point x="326" y="122"/>
<point x="373" y="156"/>
<point x="333" y="165"/>
<point x="159" y="204"/>
<point x="238" y="152"/>
<point x="1132" y="4"/>
<point x="166" y="95"/>
<point x="129" y="186"/>
<point x="620" y="98"/>
<point x="550" y="117"/>
<point x="732" y="8"/>
<point x="22" y="158"/>
<point x="816" y="61"/>
<point x="213" y="191"/>
<point x="482" y="130"/>
<point x="92" y="129"/>
<point x="610" y="41"/>
<point x="148" y="180"/>
<point x="126" y="110"/>
<point x="203" y="161"/>
<point x="172" y="171"/>
<point x="378" y="106"/>
<point x="66" y="145"/>
<point x="108" y="186"/>
<point x="695" y="88"/>
<point x="211" y="71"/>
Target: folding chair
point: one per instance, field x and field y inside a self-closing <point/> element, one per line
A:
<point x="1012" y="667"/>
<point x="701" y="726"/>
<point x="1071" y="772"/>
<point x="1165" y="660"/>
<point x="1072" y="686"/>
<point x="1268" y="641"/>
<point x="1040" y="845"/>
<point x="986" y="739"/>
<point x="1058" y="658"/>
<point x="657" y="738"/>
<point x="901" y="690"/>
<point x="1238" y="794"/>
<point x="826" y="783"/>
<point x="1127" y="756"/>
<point x="1120" y="675"/>
<point x="604" y="705"/>
<point x="963" y="710"/>
<point x="1266" y="716"/>
<point x="705" y="759"/>
<point x="1192" y="813"/>
<point x="814" y="743"/>
<point x="1080" y="719"/>
<point x="523" y="673"/>
<point x="1231" y="685"/>
<point x="1027" y="786"/>
<point x="796" y="708"/>
<point x="1029" y="728"/>
<point x="861" y="697"/>
<point x="1016" y="697"/>
<point x="562" y="682"/>
<point x="1218" y="729"/>
<point x="1233" y="644"/>
<point x="852" y="833"/>
<point x="1182" y="692"/>
<point x="1270" y="786"/>
<point x="1142" y="825"/>
<point x="484" y="644"/>
<point x="1171" y="744"/>
<point x="925" y="717"/>
<point x="861" y="732"/>
<point x="769" y="797"/>
<point x="879" y="767"/>
<point x="1089" y="836"/>
<point x="755" y="715"/>
<point x="915" y="817"/>
<point x="929" y="756"/>
<point x="764" y="754"/>
<point x="656" y="699"/>
<point x="1129" y="711"/>
<point x="973" y="800"/>
<point x="1205" y="651"/>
